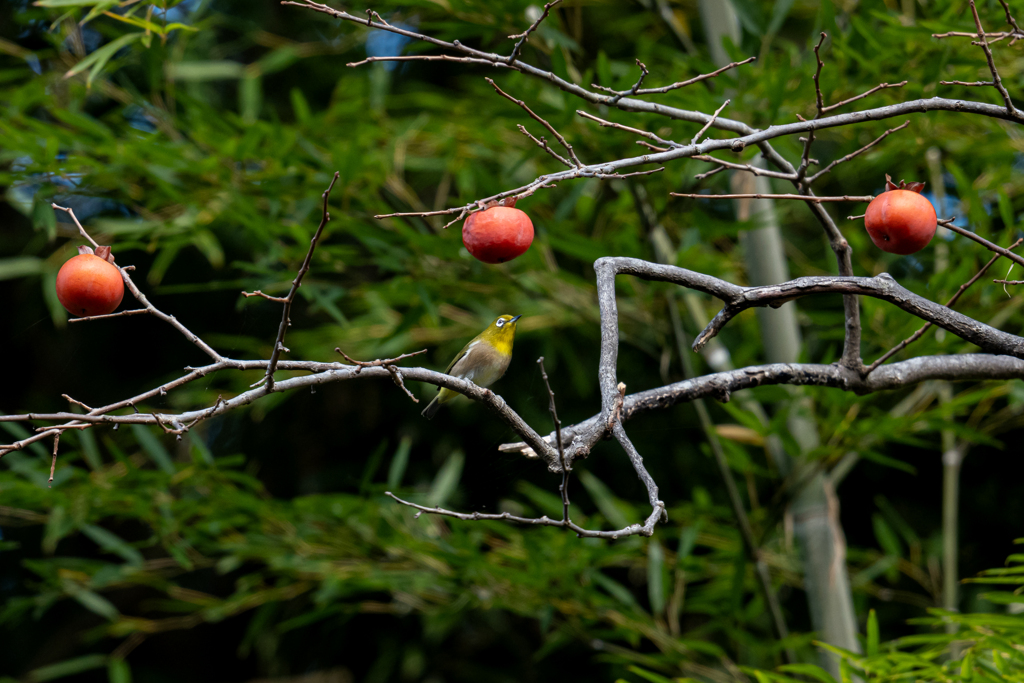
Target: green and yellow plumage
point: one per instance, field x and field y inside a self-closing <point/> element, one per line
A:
<point x="482" y="361"/>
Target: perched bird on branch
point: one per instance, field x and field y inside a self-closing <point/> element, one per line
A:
<point x="482" y="361"/>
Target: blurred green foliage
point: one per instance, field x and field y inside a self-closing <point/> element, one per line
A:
<point x="196" y="138"/>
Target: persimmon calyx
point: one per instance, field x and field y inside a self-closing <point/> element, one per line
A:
<point x="904" y="185"/>
<point x="103" y="252"/>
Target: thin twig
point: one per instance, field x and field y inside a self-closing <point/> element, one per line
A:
<point x="525" y="35"/>
<point x="360" y="364"/>
<point x="711" y="121"/>
<point x="948" y="223"/>
<point x="636" y="131"/>
<point x="880" y="86"/>
<point x="286" y="312"/>
<point x="1009" y="18"/>
<point x="564" y="488"/>
<point x="543" y="144"/>
<point x="799" y="197"/>
<point x="917" y="335"/>
<point x="651" y="147"/>
<point x="972" y="84"/>
<point x="625" y="93"/>
<point x="77" y="403"/>
<point x="851" y="155"/>
<point x="696" y="79"/>
<point x="278" y="299"/>
<point x="819" y="101"/>
<point x="53" y="463"/>
<point x="424" y="58"/>
<point x="119" y="314"/>
<point x="647" y="529"/>
<point x="389" y="365"/>
<point x="626" y="175"/>
<point x="997" y="81"/>
<point x="558" y="136"/>
<point x="750" y="168"/>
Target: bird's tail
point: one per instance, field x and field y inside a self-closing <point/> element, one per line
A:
<point x="432" y="408"/>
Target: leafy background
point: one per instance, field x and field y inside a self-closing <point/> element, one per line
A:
<point x="197" y="139"/>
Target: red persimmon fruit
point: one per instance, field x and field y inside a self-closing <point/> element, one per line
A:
<point x="90" y="284"/>
<point x="497" y="234"/>
<point x="900" y="220"/>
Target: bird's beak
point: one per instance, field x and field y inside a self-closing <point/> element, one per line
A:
<point x="515" y="318"/>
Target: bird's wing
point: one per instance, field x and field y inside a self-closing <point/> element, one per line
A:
<point x="460" y="356"/>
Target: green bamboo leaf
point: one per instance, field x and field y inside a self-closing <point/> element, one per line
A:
<point x="97" y="60"/>
<point x="204" y="70"/>
<point x="20" y="266"/>
<point x="67" y="668"/>
<point x="649" y="675"/>
<point x="655" y="576"/>
<point x="118" y="671"/>
<point x="96" y="603"/>
<point x="967" y="666"/>
<point x="446" y="480"/>
<point x="99" y="9"/>
<point x="399" y="461"/>
<point x="809" y="670"/>
<point x="779" y="13"/>
<point x="153" y="448"/>
<point x="872" y="644"/>
<point x="70" y="3"/>
<point x="604" y="499"/>
<point x="113" y="543"/>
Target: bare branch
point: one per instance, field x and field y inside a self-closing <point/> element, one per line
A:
<point x="799" y="197"/>
<point x="711" y="121"/>
<point x="278" y="299"/>
<point x="286" y="313"/>
<point x="948" y="223"/>
<point x="525" y="35"/>
<point x="1010" y="20"/>
<point x="971" y="84"/>
<point x="959" y="367"/>
<point x="880" y="86"/>
<point x="860" y="151"/>
<point x="543" y="144"/>
<point x="53" y="463"/>
<point x="818" y="99"/>
<point x="647" y="529"/>
<point x="558" y="136"/>
<point x="77" y="403"/>
<point x="564" y="488"/>
<point x="79" y="225"/>
<point x="696" y="79"/>
<point x="119" y="314"/>
<point x="426" y="58"/>
<point x="636" y="131"/>
<point x="625" y="93"/>
<point x="750" y="168"/>
<point x="917" y="335"/>
<point x="882" y="287"/>
<point x="650" y="146"/>
<point x="997" y="81"/>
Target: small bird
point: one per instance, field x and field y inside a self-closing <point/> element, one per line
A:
<point x="482" y="361"/>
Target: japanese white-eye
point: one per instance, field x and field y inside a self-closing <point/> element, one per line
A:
<point x="482" y="361"/>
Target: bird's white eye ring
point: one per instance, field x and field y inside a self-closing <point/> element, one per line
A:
<point x="500" y="322"/>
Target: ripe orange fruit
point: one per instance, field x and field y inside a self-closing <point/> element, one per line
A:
<point x="89" y="284"/>
<point x="900" y="220"/>
<point x="497" y="234"/>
